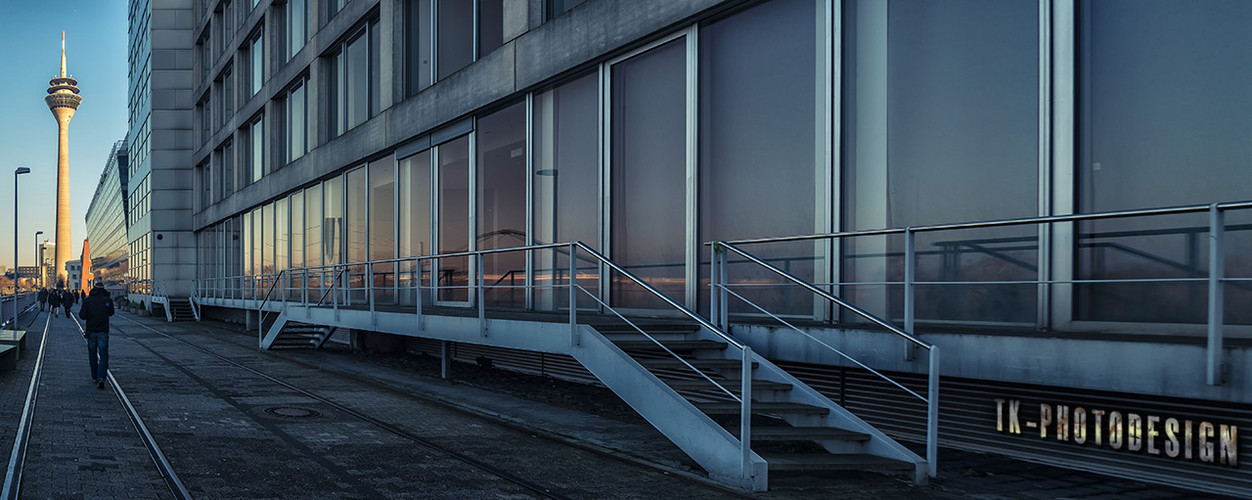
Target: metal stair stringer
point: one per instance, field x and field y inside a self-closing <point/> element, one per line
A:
<point x="839" y="417"/>
<point x="704" y="440"/>
<point x="274" y="331"/>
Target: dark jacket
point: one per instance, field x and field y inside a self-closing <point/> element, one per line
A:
<point x="43" y="295"/>
<point x="69" y="299"/>
<point x="54" y="299"/>
<point x="95" y="311"/>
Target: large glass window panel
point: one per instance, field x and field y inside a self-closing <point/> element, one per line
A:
<point x="313" y="238"/>
<point x="297" y="20"/>
<point x="354" y="96"/>
<point x="257" y="143"/>
<point x="281" y="235"/>
<point x="267" y="239"/>
<point x="258" y="250"/>
<point x="415" y="235"/>
<point x="356" y="230"/>
<point x="1165" y="116"/>
<point x="501" y="150"/>
<point x="762" y="145"/>
<point x="453" y="223"/>
<point x="296" y="278"/>
<point x="649" y="174"/>
<point x="332" y="221"/>
<point x="228" y="169"/>
<point x="297" y="122"/>
<point x="257" y="53"/>
<point x="374" y="76"/>
<point x="246" y="245"/>
<point x="419" y="44"/>
<point x="455" y="35"/>
<point x="567" y="185"/>
<point x="941" y="125"/>
<point x="382" y="224"/>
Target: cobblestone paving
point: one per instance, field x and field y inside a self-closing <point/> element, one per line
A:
<point x="15" y="384"/>
<point x="82" y="444"/>
<point x="219" y="428"/>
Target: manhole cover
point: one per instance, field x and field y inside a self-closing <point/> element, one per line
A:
<point x="292" y="412"/>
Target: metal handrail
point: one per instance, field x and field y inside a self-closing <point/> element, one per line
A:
<point x="1119" y="214"/>
<point x="261" y="312"/>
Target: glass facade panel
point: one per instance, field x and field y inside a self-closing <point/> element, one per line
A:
<point x="455" y="36"/>
<point x="332" y="221"/>
<point x="762" y="144"/>
<point x="648" y="166"/>
<point x="257" y="53"/>
<point x="257" y="143"/>
<point x="501" y="164"/>
<point x="415" y="236"/>
<point x="297" y="20"/>
<point x="1164" y="118"/>
<point x="267" y="239"/>
<point x="567" y="185"/>
<point x="972" y="66"/>
<point x="282" y="236"/>
<point x="297" y="123"/>
<point x="356" y="231"/>
<point x="382" y="226"/>
<point x="313" y="236"/>
<point x="454" y="230"/>
<point x="419" y="44"/>
<point x="355" y="98"/>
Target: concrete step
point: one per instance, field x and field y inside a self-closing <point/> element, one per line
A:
<point x="830" y="462"/>
<point x="732" y="384"/>
<point x="732" y="408"/>
<point x="674" y="345"/>
<point x="762" y="433"/>
<point x="698" y="363"/>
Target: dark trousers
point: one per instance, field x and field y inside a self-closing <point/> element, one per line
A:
<point x="98" y="354"/>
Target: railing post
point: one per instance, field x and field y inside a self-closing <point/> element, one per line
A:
<point x="932" y="413"/>
<point x="573" y="299"/>
<point x="482" y="303"/>
<point x="369" y="288"/>
<point x="723" y="292"/>
<point x="745" y="414"/>
<point x="1217" y="296"/>
<point x="715" y="287"/>
<point x="910" y="290"/>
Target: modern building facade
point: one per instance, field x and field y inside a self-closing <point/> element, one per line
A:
<point x="74" y="274"/>
<point x="850" y="148"/>
<point x="161" y="246"/>
<point x="107" y="220"/>
<point x="47" y="264"/>
<point x="63" y="101"/>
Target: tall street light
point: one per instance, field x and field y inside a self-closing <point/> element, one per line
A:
<point x="19" y="171"/>
<point x="36" y="257"/>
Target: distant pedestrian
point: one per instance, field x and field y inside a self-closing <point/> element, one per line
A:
<point x="95" y="312"/>
<point x="71" y="297"/>
<point x="54" y="303"/>
<point x="43" y="298"/>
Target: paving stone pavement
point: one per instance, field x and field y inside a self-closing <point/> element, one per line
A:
<point x="82" y="444"/>
<point x="231" y="433"/>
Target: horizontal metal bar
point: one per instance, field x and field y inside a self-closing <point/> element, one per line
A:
<point x="1002" y="222"/>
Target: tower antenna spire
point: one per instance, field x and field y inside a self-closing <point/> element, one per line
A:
<point x="62" y="53"/>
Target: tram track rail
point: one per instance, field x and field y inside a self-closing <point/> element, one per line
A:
<point x="17" y="459"/>
<point x="510" y="477"/>
<point x="177" y="489"/>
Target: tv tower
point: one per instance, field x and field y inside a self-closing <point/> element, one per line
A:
<point x="63" y="101"/>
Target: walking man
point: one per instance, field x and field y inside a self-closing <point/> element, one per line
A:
<point x="95" y="312"/>
<point x="43" y="298"/>
<point x="54" y="302"/>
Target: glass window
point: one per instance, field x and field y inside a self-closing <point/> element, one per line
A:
<point x="648" y="155"/>
<point x="228" y="95"/>
<point x="501" y="163"/>
<point x="972" y="66"/>
<point x="206" y="185"/>
<point x="257" y="142"/>
<point x="455" y="36"/>
<point x="257" y="54"/>
<point x="566" y="181"/>
<point x="297" y="229"/>
<point x="297" y="122"/>
<point x="762" y="142"/>
<point x="454" y="229"/>
<point x="281" y="232"/>
<point x="357" y="225"/>
<point x="415" y="237"/>
<point x="1164" y="120"/>
<point x="498" y="22"/>
<point x="382" y="225"/>
<point x="334" y="6"/>
<point x="226" y="23"/>
<point x="332" y="221"/>
<point x="313" y="225"/>
<point x="297" y="21"/>
<point x="228" y="169"/>
<point x="355" y="85"/>
<point x="419" y="44"/>
<point x="267" y="239"/>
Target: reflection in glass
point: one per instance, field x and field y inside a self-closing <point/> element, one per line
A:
<point x="648" y="166"/>
<point x="762" y="145"/>
<point x="501" y="149"/>
<point x="1165" y="116"/>
<point x="280" y="234"/>
<point x="566" y="183"/>
<point x="297" y="277"/>
<point x="945" y="131"/>
<point x="313" y="239"/>
<point x="415" y="223"/>
<point x="382" y="226"/>
<point x="355" y="230"/>
<point x="456" y="36"/>
<point x="453" y="273"/>
<point x="419" y="44"/>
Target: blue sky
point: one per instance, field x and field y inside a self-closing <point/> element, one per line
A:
<point x="30" y="53"/>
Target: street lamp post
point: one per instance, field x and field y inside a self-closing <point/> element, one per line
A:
<point x="19" y="171"/>
<point x="36" y="257"/>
